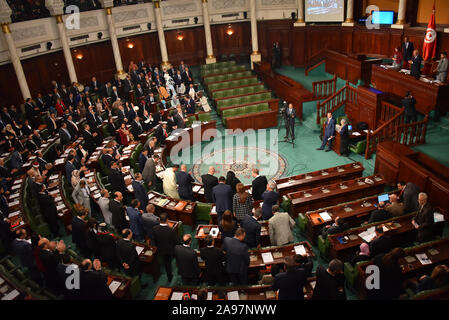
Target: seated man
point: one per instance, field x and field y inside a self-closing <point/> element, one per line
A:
<point x="380" y="214"/>
<point x="338" y="227"/>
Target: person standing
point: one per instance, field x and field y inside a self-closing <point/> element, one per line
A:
<point x="252" y="228"/>
<point x="270" y="198"/>
<point x="291" y="282"/>
<point x="214" y="259"/>
<point x="187" y="262"/>
<point x="222" y="197"/>
<point x="290" y="116"/>
<point x="344" y="138"/>
<point x="280" y="227"/>
<point x="415" y="61"/>
<point x="407" y="52"/>
<point x="397" y="58"/>
<point x="237" y="257"/>
<point x="185" y="180"/>
<point x="169" y="184"/>
<point x="127" y="253"/>
<point x="259" y="184"/>
<point x="209" y="181"/>
<point x="330" y="282"/>
<point x="103" y="203"/>
<point x="329" y="133"/>
<point x="424" y="220"/>
<point x="242" y="203"/>
<point x="442" y="68"/>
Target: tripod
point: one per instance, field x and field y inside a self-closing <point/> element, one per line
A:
<point x="283" y="122"/>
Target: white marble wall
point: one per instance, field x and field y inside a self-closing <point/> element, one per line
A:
<point x="41" y="31"/>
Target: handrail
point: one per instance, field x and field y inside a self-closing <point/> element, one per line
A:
<point x="325" y="88"/>
<point x="316" y="61"/>
<point x="332" y="103"/>
<point x="389" y="131"/>
<point x="412" y="134"/>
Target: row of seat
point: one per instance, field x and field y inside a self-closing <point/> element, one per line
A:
<point x="232" y="83"/>
<point x="262" y="96"/>
<point x="239" y="91"/>
<point x="255" y="108"/>
<point x="232" y="68"/>
<point x="224" y="74"/>
<point x="217" y="65"/>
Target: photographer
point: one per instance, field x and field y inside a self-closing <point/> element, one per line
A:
<point x="290" y="116"/>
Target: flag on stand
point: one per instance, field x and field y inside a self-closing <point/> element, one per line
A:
<point x="430" y="40"/>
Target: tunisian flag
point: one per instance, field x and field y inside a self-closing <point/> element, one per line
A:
<point x="430" y="41"/>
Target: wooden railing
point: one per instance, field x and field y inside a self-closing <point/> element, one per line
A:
<point x="324" y="89"/>
<point x="412" y="134"/>
<point x="337" y="100"/>
<point x="385" y="132"/>
<point x="315" y="61"/>
<point x="388" y="111"/>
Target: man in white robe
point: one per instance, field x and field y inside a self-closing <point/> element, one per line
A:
<point x="169" y="184"/>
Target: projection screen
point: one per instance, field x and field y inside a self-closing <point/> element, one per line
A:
<point x="324" y="10"/>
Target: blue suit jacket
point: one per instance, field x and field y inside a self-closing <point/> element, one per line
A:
<point x="237" y="256"/>
<point x="184" y="181"/>
<point x="16" y="161"/>
<point x="222" y="197"/>
<point x="252" y="229"/>
<point x="24" y="251"/>
<point x="140" y="193"/>
<point x="135" y="221"/>
<point x="330" y="128"/>
<point x="69" y="167"/>
<point x="269" y="198"/>
<point x="142" y="161"/>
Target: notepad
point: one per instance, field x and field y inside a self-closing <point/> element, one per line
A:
<point x="57" y="199"/>
<point x="233" y="295"/>
<point x="14" y="187"/>
<point x="13" y="214"/>
<point x="139" y="249"/>
<point x="214" y="209"/>
<point x="357" y="134"/>
<point x="163" y="202"/>
<point x="300" y="250"/>
<point x="15" y="203"/>
<point x="209" y="295"/>
<point x="325" y="216"/>
<point x="176" y="296"/>
<point x="114" y="285"/>
<point x="410" y="259"/>
<point x="196" y="188"/>
<point x="148" y="253"/>
<point x="368" y="235"/>
<point x="438" y="217"/>
<point x="422" y="257"/>
<point x="433" y="252"/>
<point x="340" y="170"/>
<point x="61" y="206"/>
<point x="267" y="257"/>
<point x="150" y="196"/>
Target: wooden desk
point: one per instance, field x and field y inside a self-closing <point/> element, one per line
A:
<point x="400" y="230"/>
<point x="436" y="251"/>
<point x="354" y="136"/>
<point x="123" y="291"/>
<point x="148" y="260"/>
<point x="186" y="215"/>
<point x="354" y="213"/>
<point x="428" y="96"/>
<point x="10" y="291"/>
<point x="320" y="177"/>
<point x="201" y="236"/>
<point x="329" y="195"/>
<point x="351" y="68"/>
<point x="214" y="215"/>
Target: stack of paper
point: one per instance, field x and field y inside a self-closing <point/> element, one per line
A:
<point x="267" y="257"/>
<point x="176" y="296"/>
<point x="114" y="286"/>
<point x="325" y="216"/>
<point x="300" y="250"/>
<point x="368" y="235"/>
<point x="233" y="295"/>
<point x="12" y="295"/>
<point x="139" y="249"/>
<point x="422" y="257"/>
<point x="438" y="217"/>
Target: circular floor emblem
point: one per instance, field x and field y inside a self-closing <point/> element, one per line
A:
<point x="241" y="160"/>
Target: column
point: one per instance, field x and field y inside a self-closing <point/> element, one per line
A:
<point x="115" y="48"/>
<point x="66" y="49"/>
<point x="300" y="22"/>
<point x="349" y="22"/>
<point x="16" y="62"/>
<point x="255" y="55"/>
<point x="160" y="31"/>
<point x="401" y="15"/>
<point x="210" y="51"/>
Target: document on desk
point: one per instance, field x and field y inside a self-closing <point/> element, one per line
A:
<point x="196" y="188"/>
<point x="325" y="216"/>
<point x="114" y="286"/>
<point x="267" y="257"/>
<point x="209" y="295"/>
<point x="139" y="250"/>
<point x="233" y="295"/>
<point x="176" y="296"/>
<point x="438" y="217"/>
<point x="422" y="257"/>
<point x="300" y="250"/>
<point x="12" y="295"/>
<point x="357" y="134"/>
<point x="368" y="235"/>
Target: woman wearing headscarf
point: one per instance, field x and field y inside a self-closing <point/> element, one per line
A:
<point x="363" y="255"/>
<point x="232" y="180"/>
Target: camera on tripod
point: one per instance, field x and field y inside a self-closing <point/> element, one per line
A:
<point x="283" y="107"/>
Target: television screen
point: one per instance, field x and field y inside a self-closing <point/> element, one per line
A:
<point x="350" y="128"/>
<point x="324" y="10"/>
<point x="382" y="17"/>
<point x="383" y="198"/>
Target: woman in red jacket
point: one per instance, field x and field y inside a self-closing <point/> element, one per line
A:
<point x="60" y="107"/>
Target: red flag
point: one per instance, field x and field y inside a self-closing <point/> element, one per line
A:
<point x="430" y="40"/>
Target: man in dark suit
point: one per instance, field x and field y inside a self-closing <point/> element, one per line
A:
<point x="107" y="246"/>
<point x="117" y="179"/>
<point x="143" y="157"/>
<point x="290" y="116"/>
<point x="237" y="257"/>
<point x="89" y="139"/>
<point x="408" y="103"/>
<point x="415" y="61"/>
<point x="48" y="209"/>
<point x="424" y="219"/>
<point x="149" y="221"/>
<point x="209" y="181"/>
<point x="149" y="171"/>
<point x="259" y="184"/>
<point x="140" y="193"/>
<point x="344" y="138"/>
<point x="64" y="134"/>
<point x="337" y="227"/>
<point x="139" y="91"/>
<point x="330" y="282"/>
<point x="50" y="255"/>
<point x="165" y="239"/>
<point x="93" y="281"/>
<point x="52" y="126"/>
<point x="187" y="262"/>
<point x="408" y="195"/>
<point x="23" y="249"/>
<point x="72" y="127"/>
<point x="161" y="133"/>
<point x="180" y="118"/>
<point x="270" y="198"/>
<point x="291" y="282"/>
<point x="380" y="214"/>
<point x="381" y="243"/>
<point x="329" y="133"/>
<point x="184" y="180"/>
<point x="118" y="212"/>
<point x="79" y="230"/>
<point x="252" y="228"/>
<point x="127" y="254"/>
<point x="222" y="197"/>
<point x="136" y="128"/>
<point x="407" y="51"/>
<point x="16" y="160"/>
<point x="214" y="259"/>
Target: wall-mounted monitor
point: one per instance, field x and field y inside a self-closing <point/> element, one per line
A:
<point x="382" y="17"/>
<point x="324" y="10"/>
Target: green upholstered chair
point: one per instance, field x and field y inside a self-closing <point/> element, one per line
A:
<point x="302" y="223"/>
<point x="323" y="247"/>
<point x="204" y="116"/>
<point x="352" y="274"/>
<point x="359" y="147"/>
<point x="285" y="204"/>
<point x="202" y="211"/>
